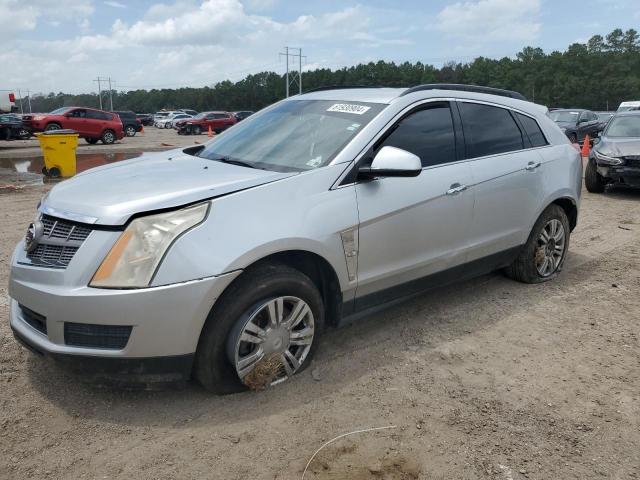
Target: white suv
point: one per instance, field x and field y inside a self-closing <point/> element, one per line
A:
<point x="227" y="260"/>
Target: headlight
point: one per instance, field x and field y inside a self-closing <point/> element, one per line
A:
<point x="133" y="260"/>
<point x="605" y="159"/>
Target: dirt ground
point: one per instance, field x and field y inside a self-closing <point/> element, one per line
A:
<point x="152" y="139"/>
<point x="487" y="379"/>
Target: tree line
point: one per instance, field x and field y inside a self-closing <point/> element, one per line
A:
<point x="598" y="75"/>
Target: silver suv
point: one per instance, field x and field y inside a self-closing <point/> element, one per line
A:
<point x="227" y="261"/>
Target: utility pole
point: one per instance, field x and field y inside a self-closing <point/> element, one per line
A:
<point x="29" y="99"/>
<point x="20" y="97"/>
<point x="99" y="91"/>
<point x="110" y="96"/>
<point x="296" y="77"/>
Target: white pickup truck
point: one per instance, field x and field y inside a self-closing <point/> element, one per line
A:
<point x="7" y="101"/>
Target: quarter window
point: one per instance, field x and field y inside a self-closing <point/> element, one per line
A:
<point x="489" y="130"/>
<point x="426" y="133"/>
<point x="532" y="129"/>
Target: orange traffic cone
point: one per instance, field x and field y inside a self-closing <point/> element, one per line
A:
<point x="141" y="129"/>
<point x="210" y="134"/>
<point x="585" y="146"/>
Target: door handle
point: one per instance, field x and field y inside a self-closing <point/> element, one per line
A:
<point x="532" y="166"/>
<point x="456" y="188"/>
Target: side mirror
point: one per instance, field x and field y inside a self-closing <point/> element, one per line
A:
<point x="392" y="162"/>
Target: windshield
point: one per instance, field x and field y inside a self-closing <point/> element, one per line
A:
<point x="200" y="115"/>
<point x="627" y="126"/>
<point x="563" y="116"/>
<point x="60" y="111"/>
<point x="296" y="135"/>
<point x="604" y="115"/>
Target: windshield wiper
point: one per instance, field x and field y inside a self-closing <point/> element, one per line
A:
<point x="231" y="161"/>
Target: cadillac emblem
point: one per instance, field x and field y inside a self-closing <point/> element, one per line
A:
<point x="33" y="236"/>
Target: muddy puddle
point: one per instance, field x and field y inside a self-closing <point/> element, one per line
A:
<point x="19" y="173"/>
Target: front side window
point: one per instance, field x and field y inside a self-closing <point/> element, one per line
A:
<point x="489" y="130"/>
<point x="426" y="133"/>
<point x="295" y="135"/>
<point x="78" y="113"/>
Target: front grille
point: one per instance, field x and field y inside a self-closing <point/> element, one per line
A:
<point x="37" y="321"/>
<point x="68" y="231"/>
<point x="632" y="161"/>
<point x="112" y="337"/>
<point x="59" y="242"/>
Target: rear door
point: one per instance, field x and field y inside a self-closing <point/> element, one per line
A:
<point x="506" y="178"/>
<point x="414" y="227"/>
<point x="96" y="121"/>
<point x="76" y="120"/>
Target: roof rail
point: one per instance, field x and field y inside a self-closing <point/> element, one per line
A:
<point x="465" y="88"/>
<point x="340" y="87"/>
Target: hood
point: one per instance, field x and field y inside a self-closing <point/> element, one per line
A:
<point x="619" y="147"/>
<point x="110" y="194"/>
<point x="565" y="124"/>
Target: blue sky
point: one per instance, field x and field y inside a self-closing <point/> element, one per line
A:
<point x="64" y="45"/>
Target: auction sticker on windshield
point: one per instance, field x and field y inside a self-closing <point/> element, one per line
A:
<point x="348" y="108"/>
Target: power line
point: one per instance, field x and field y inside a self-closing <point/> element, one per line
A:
<point x="108" y="80"/>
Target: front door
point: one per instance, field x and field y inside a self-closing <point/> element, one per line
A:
<point x="413" y="227"/>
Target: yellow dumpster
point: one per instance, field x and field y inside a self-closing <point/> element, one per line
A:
<point x="59" y="151"/>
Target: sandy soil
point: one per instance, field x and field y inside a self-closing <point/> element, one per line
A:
<point x="152" y="139"/>
<point x="487" y="379"/>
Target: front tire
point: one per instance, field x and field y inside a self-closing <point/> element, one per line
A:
<point x="91" y="141"/>
<point x="52" y="126"/>
<point x="108" y="137"/>
<point x="543" y="256"/>
<point x="594" y="182"/>
<point x="264" y="329"/>
<point x="196" y="130"/>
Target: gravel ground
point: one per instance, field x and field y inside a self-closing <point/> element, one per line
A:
<point x="487" y="379"/>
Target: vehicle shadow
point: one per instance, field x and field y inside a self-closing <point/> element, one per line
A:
<point x="623" y="192"/>
<point x="346" y="354"/>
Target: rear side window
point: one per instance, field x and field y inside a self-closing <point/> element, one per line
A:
<point x="489" y="130"/>
<point x="532" y="130"/>
<point x="426" y="133"/>
<point x="96" y="115"/>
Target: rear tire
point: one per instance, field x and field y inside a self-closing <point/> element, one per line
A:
<point x="594" y="182"/>
<point x="52" y="126"/>
<point x="214" y="367"/>
<point x="526" y="268"/>
<point x="108" y="137"/>
<point x="130" y="131"/>
<point x="91" y="141"/>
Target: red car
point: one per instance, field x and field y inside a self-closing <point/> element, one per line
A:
<point x="92" y="124"/>
<point x="218" y="121"/>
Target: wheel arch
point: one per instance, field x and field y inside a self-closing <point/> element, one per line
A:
<point x="570" y="208"/>
<point x="317" y="268"/>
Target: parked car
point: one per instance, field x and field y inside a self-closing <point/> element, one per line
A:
<point x="576" y="123"/>
<point x="615" y="157"/>
<point x="628" y="106"/>
<point x="604" y="117"/>
<point x="218" y="121"/>
<point x="90" y="123"/>
<point x="228" y="260"/>
<point x="168" y="121"/>
<point x="7" y="101"/>
<point x="12" y="127"/>
<point x="188" y="111"/>
<point x="145" y="118"/>
<point x="130" y="122"/>
<point x="160" y="116"/>
<point x="242" y="114"/>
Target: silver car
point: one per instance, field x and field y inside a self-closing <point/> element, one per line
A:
<point x="226" y="261"/>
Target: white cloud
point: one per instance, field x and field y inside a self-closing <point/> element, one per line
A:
<point x="114" y="4"/>
<point x="487" y="21"/>
<point x="20" y="16"/>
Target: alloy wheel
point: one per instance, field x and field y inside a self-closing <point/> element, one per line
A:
<point x="274" y="342"/>
<point x="550" y="248"/>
